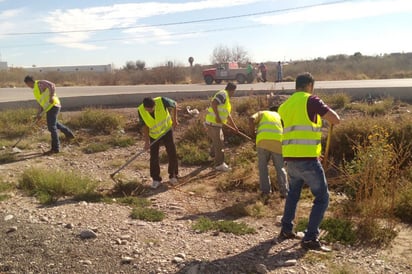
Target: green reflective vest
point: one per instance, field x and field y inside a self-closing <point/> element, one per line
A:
<point x="223" y="110"/>
<point x="301" y="137"/>
<point x="43" y="97"/>
<point x="269" y="127"/>
<point x="162" y="121"/>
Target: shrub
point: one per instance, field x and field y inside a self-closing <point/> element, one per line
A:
<point x="403" y="205"/>
<point x="193" y="155"/>
<point x="97" y="120"/>
<point x="128" y="188"/>
<point x="338" y="230"/>
<point x="4" y="187"/>
<point x="371" y="186"/>
<point x="48" y="186"/>
<point x="121" y="141"/>
<point x="8" y="158"/>
<point x="336" y="100"/>
<point x="95" y="147"/>
<point x="147" y="214"/>
<point x="204" y="224"/>
<point x="15" y="123"/>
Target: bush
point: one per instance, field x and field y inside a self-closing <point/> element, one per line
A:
<point x="97" y="121"/>
<point x="48" y="186"/>
<point x="338" y="230"/>
<point x="403" y="206"/>
<point x="15" y="123"/>
<point x="147" y="214"/>
<point x="204" y="224"/>
<point x="95" y="147"/>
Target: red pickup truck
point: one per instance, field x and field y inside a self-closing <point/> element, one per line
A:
<point x="227" y="71"/>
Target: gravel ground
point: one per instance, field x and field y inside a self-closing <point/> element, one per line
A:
<point x="81" y="237"/>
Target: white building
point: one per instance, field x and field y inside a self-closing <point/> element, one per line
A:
<point x="3" y="65"/>
<point x="92" y="68"/>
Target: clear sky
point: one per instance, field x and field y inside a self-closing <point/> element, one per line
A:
<point x="96" y="32"/>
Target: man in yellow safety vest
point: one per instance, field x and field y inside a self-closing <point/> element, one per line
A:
<point x="45" y="94"/>
<point x="217" y="115"/>
<point x="269" y="147"/>
<point x="158" y="127"/>
<point x="301" y="148"/>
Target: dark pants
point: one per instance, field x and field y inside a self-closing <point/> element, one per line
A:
<point x="53" y="125"/>
<point x="167" y="141"/>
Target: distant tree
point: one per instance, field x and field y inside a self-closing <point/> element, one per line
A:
<point x="191" y="59"/>
<point x="240" y="55"/>
<point x="130" y="65"/>
<point x="222" y="54"/>
<point x="140" y="65"/>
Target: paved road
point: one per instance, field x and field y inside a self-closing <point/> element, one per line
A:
<point x="120" y="95"/>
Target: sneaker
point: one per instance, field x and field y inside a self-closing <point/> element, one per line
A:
<point x="156" y="184"/>
<point x="223" y="167"/>
<point x="69" y="136"/>
<point x="173" y="180"/>
<point x="285" y="235"/>
<point x="264" y="198"/>
<point x="314" y="245"/>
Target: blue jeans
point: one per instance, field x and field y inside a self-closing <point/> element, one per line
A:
<point x="264" y="156"/>
<point x="53" y="125"/>
<point x="173" y="169"/>
<point x="309" y="172"/>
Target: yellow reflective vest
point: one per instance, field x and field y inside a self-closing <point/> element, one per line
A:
<point x="162" y="121"/>
<point x="43" y="97"/>
<point x="269" y="127"/>
<point x="223" y="110"/>
<point x="301" y="137"/>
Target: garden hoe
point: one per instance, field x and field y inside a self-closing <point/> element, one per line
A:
<point x="14" y="148"/>
<point x="134" y="157"/>
<point x="240" y="133"/>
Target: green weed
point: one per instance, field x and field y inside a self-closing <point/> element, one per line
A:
<point x="204" y="224"/>
<point x="403" y="205"/>
<point x="339" y="230"/>
<point x="15" y="123"/>
<point x="336" y="100"/>
<point x="128" y="188"/>
<point x="48" y="186"/>
<point x="190" y="154"/>
<point x="95" y="147"/>
<point x="97" y="121"/>
<point x="147" y="214"/>
<point x="7" y="158"/>
<point x="121" y="141"/>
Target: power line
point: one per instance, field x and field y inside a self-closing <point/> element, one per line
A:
<point x="178" y="23"/>
<point x="145" y="36"/>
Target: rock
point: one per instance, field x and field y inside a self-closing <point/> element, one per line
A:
<point x="181" y="255"/>
<point x="127" y="260"/>
<point x="69" y="226"/>
<point x="44" y="219"/>
<point x="8" y="217"/>
<point x="85" y="262"/>
<point x="11" y="229"/>
<point x="177" y="260"/>
<point x="88" y="234"/>
<point x="261" y="269"/>
<point x="292" y="262"/>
